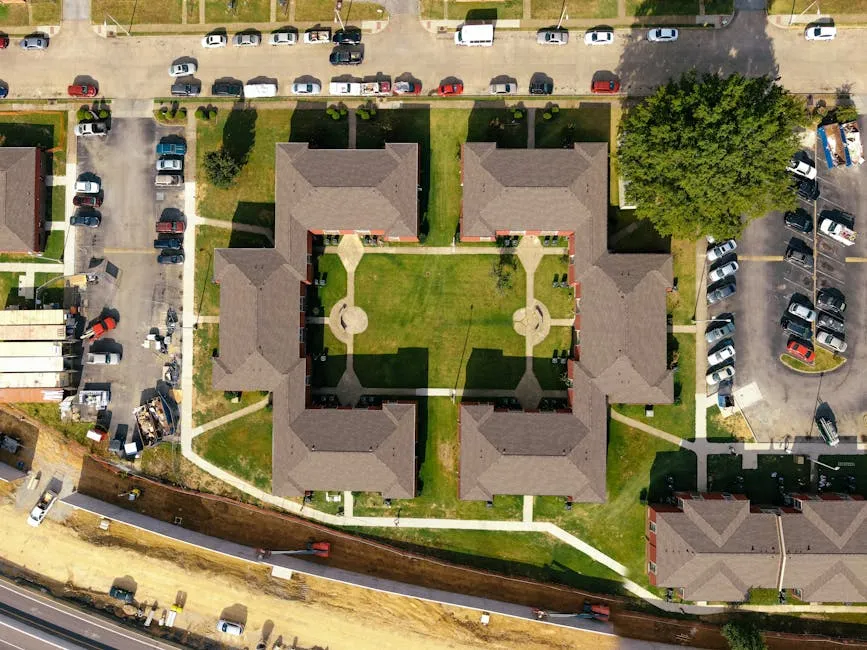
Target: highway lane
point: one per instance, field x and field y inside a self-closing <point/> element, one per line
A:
<point x="33" y="622"/>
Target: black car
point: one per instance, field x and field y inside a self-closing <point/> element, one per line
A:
<point x="831" y="323"/>
<point x="120" y="594"/>
<point x="807" y="189"/>
<point x="830" y="301"/>
<point x="541" y="88"/>
<point x="168" y="243"/>
<point x="4" y="91"/>
<point x="222" y="89"/>
<point x="171" y="257"/>
<point x="347" y="37"/>
<point x="799" y="220"/>
<point x="800" y="257"/>
<point x="797" y="327"/>
<point x="86" y="220"/>
<point x="187" y="89"/>
<point x="343" y="55"/>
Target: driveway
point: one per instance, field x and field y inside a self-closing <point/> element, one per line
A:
<point x="124" y="162"/>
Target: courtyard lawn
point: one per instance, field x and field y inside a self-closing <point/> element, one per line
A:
<point x="560" y="302"/>
<point x="550" y="375"/>
<point x="638" y="467"/>
<point x="448" y="131"/>
<point x="726" y="474"/>
<point x="9" y="289"/>
<point x="320" y="300"/>
<point x="325" y="374"/>
<point x="131" y="13"/>
<point x="322" y="11"/>
<point x="437" y="321"/>
<point x="242" y="447"/>
<point x="590" y="122"/>
<point x="209" y="238"/>
<point x="437" y="480"/>
<point x="210" y="404"/>
<point x="245" y="11"/>
<point x="46" y="129"/>
<point x="551" y="9"/>
<point x="678" y="418"/>
<point x="681" y="304"/>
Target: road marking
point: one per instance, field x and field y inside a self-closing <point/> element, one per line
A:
<point x="855" y="260"/>
<point x="760" y="258"/>
<point x="26" y="633"/>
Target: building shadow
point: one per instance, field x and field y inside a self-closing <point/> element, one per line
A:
<point x="497" y="121"/>
<point x="310" y="124"/>
<point x="672" y="471"/>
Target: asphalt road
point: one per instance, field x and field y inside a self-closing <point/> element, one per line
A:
<point x="137" y="67"/>
<point x="33" y="622"/>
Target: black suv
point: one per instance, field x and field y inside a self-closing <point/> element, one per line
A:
<point x="350" y="36"/>
<point x="222" y="89"/>
<point x="797" y="327"/>
<point x="346" y="55"/>
<point x="800" y="257"/>
<point x="186" y="89"/>
<point x="831" y="323"/>
<point x="799" y="220"/>
<point x="807" y="189"/>
<point x="832" y="302"/>
<point x="541" y="88"/>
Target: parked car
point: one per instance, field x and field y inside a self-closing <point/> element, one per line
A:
<point x="4" y="91"/>
<point x="552" y="36"/>
<point x="349" y="36"/>
<point x="163" y="244"/>
<point x="800" y="257"/>
<point x="599" y="37"/>
<point x="173" y="227"/>
<point x="448" y="89"/>
<point x="797" y="327"/>
<point x="720" y="251"/>
<point x="721" y="293"/>
<point x="830" y="301"/>
<point x="90" y="220"/>
<point x="346" y="55"/>
<point x="87" y="187"/>
<point x="662" y="35"/>
<point x="171" y="257"/>
<point x="214" y="40"/>
<point x="170" y="164"/>
<point x="715" y="377"/>
<point x="186" y="89"/>
<point x="81" y="90"/>
<point x="120" y="594"/>
<point x="541" y="87"/>
<point x="801" y="351"/>
<point x="828" y="431"/>
<point x="820" y="33"/>
<point x="722" y="272"/>
<point x="182" y="69"/>
<point x="831" y="323"/>
<point x="605" y="86"/>
<point x="91" y="128"/>
<point x="722" y="355"/>
<point x="225" y="89"/>
<point x="102" y="358"/>
<point x="169" y="179"/>
<point x="283" y="38"/>
<point x="171" y="149"/>
<point x="35" y="42"/>
<point x="4" y="41"/>
<point x="799" y="220"/>
<point x="407" y="87"/>
<point x="246" y="39"/>
<point x="831" y="340"/>
<point x="306" y="89"/>
<point x="801" y="168"/>
<point x="87" y="200"/>
<point x="807" y="189"/>
<point x="503" y="89"/>
<point x="718" y="333"/>
<point x="230" y="627"/>
<point x="802" y="311"/>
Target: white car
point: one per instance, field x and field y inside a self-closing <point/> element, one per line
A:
<point x="306" y="89"/>
<point x="87" y="187"/>
<point x="721" y="355"/>
<point x="182" y="69"/>
<point x="599" y="37"/>
<point x="715" y="377"/>
<point x="503" y="89"/>
<point x="662" y="35"/>
<point x="802" y="311"/>
<point x="246" y="40"/>
<point x="103" y="359"/>
<point x="802" y="168"/>
<point x="230" y="627"/>
<point x="214" y="40"/>
<point x="91" y="128"/>
<point x="820" y="33"/>
<point x="831" y="341"/>
<point x="283" y="38"/>
<point x="170" y="164"/>
<point x="718" y="252"/>
<point x="722" y="272"/>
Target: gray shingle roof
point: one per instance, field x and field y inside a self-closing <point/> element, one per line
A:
<point x="18" y="198"/>
<point x="260" y="292"/>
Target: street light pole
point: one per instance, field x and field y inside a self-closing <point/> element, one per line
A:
<point x="833" y="469"/>
<point x="42" y="257"/>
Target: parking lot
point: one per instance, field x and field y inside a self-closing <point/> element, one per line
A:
<point x="124" y="163"/>
<point x="766" y="285"/>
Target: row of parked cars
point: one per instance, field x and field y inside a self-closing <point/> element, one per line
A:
<point x="170" y="172"/>
<point x="88" y="197"/>
<point x="721" y="279"/>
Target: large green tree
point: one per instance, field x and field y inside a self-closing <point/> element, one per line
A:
<point x="705" y="155"/>
<point x="743" y="636"/>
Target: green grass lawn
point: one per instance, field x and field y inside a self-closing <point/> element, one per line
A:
<point x="638" y="465"/>
<point x="507" y="9"/>
<point x="9" y="290"/>
<point x="448" y="131"/>
<point x="437" y="480"/>
<point x="854" y="466"/>
<point x="495" y="124"/>
<point x="431" y="10"/>
<point x="320" y="300"/>
<point x="437" y="321"/>
<point x="14" y="14"/>
<point x="590" y="122"/>
<point x="829" y="8"/>
<point x="56" y="203"/>
<point x="587" y="9"/>
<point x="242" y="447"/>
<point x="55" y="245"/>
<point x="720" y="429"/>
<point x="681" y="304"/>
<point x="50" y="286"/>
<point x="45" y="12"/>
<point x="210" y="404"/>
<point x="209" y="238"/>
<point x="550" y="375"/>
<point x="725" y="474"/>
<point x="49" y="414"/>
<point x="322" y="11"/>
<point x="662" y="7"/>
<point x="560" y="302"/>
<point x="131" y="13"/>
<point x="678" y="418"/>
<point x="725" y="7"/>
<point x="246" y="11"/>
<point x="46" y="129"/>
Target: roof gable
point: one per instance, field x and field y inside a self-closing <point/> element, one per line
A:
<point x="18" y="198"/>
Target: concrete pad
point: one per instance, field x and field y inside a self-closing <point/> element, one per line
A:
<point x="350" y="250"/>
<point x="748" y="395"/>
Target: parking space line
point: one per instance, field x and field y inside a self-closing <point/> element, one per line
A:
<point x="855" y="260"/>
<point x="138" y="251"/>
<point x="760" y="258"/>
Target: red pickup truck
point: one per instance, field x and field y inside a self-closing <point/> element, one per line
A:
<point x="82" y="90"/>
<point x="174" y="227"/>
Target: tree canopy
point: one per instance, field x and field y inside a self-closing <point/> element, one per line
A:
<point x="706" y="155"/>
<point x="743" y="636"/>
<point x="221" y="168"/>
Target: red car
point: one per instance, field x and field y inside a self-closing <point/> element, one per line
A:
<point x="448" y="89"/>
<point x="801" y="351"/>
<point x="82" y="90"/>
<point x="605" y="87"/>
<point x="99" y="328"/>
<point x="87" y="200"/>
<point x="4" y="42"/>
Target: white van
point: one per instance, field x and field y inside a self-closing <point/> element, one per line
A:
<point x="260" y="90"/>
<point x="475" y="35"/>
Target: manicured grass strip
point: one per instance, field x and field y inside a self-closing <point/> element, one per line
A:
<point x="244" y="11"/>
<point x="56" y="203"/>
<point x="448" y="130"/>
<point x="681" y="304"/>
<point x="551" y="9"/>
<point x="560" y="302"/>
<point x="830" y="7"/>
<point x="9" y="289"/>
<point x="130" y="13"/>
<point x="209" y="238"/>
<point x="242" y="447"/>
<point x="507" y="9"/>
<point x="322" y="11"/>
<point x="662" y="7"/>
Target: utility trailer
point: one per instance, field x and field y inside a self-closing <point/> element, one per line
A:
<point x="841" y="144"/>
<point x="837" y="231"/>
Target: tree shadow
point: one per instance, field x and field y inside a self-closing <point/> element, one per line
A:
<point x="239" y="133"/>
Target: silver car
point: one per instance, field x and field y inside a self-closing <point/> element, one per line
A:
<point x="720" y="356"/>
<point x="599" y="37"/>
<point x="802" y="311"/>
<point x="503" y="89"/>
<point x="726" y="372"/>
<point x="246" y="40"/>
<point x="283" y="38"/>
<point x="552" y="37"/>
<point x="720" y="251"/>
<point x="34" y="43"/>
<point x="722" y="272"/>
<point x="306" y="89"/>
<point x="718" y="333"/>
<point x="170" y="164"/>
<point x="829" y="340"/>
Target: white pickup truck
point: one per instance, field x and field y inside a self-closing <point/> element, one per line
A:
<point x="42" y="507"/>
<point x="376" y="89"/>
<point x="314" y="36"/>
<point x="346" y="88"/>
<point x="837" y="231"/>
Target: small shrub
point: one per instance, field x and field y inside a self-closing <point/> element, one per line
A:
<point x="518" y="114"/>
<point x="103" y="114"/>
<point x="555" y="109"/>
<point x="362" y="114"/>
<point x="343" y="111"/>
<point x="546" y="116"/>
<point x="183" y="112"/>
<point x="212" y="113"/>
<point x="221" y="168"/>
<point x="846" y="114"/>
<point x="200" y="113"/>
<point x="82" y="114"/>
<point x="335" y="116"/>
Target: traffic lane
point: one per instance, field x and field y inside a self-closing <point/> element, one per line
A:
<point x="18" y="635"/>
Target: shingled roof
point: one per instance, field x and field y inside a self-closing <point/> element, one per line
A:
<point x="260" y="299"/>
<point x="18" y="199"/>
<point x="716" y="550"/>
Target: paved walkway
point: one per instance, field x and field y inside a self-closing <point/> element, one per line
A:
<point x="188" y="314"/>
<point x="30" y="267"/>
<point x="641" y="426"/>
<point x="240" y="227"/>
<point x="445" y="250"/>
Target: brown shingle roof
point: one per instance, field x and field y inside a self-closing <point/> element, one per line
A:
<point x="716" y="550"/>
<point x="18" y="198"/>
<point x="260" y="293"/>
